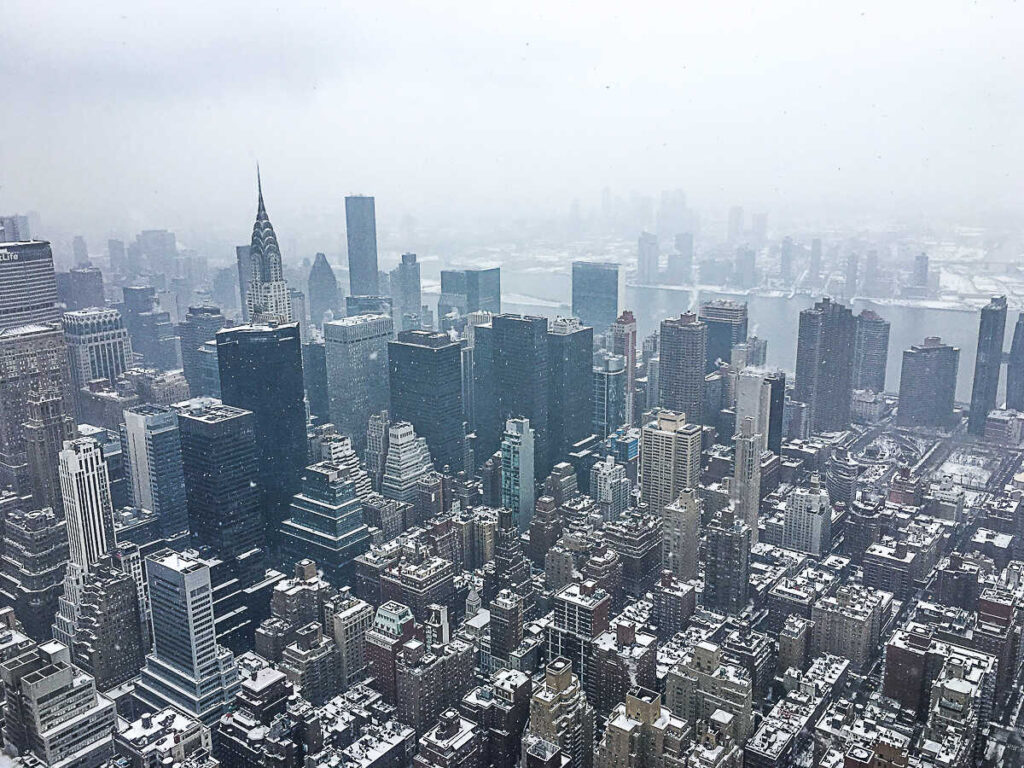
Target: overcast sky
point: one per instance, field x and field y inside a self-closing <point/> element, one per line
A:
<point x="119" y="116"/>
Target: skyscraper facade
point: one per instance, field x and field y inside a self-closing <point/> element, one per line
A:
<point x="98" y="345"/>
<point x="518" y="486"/>
<point x="200" y="326"/>
<point x="48" y="426"/>
<point x="243" y="260"/>
<point x="824" y="365"/>
<point x="469" y="290"/>
<point x="609" y="394"/>
<point x="991" y="329"/>
<point x="261" y="371"/>
<point x="267" y="297"/>
<point x="28" y="288"/>
<point x="647" y="259"/>
<point x="1015" y="368"/>
<point x="726" y="321"/>
<point x="85" y="487"/>
<point x="187" y="668"/>
<point x="776" y="410"/>
<point x="745" y="489"/>
<point x="511" y="375"/>
<point x="221" y="476"/>
<point x="684" y="343"/>
<point x="570" y="378"/>
<point x="361" y="232"/>
<point x="407" y="300"/>
<point x="623" y="334"/>
<point x="727" y="565"/>
<point x="322" y="289"/>
<point x="670" y="458"/>
<point x="357" y="371"/>
<point x="152" y="448"/>
<point x="595" y="293"/>
<point x="870" y="351"/>
<point x="425" y="382"/>
<point x="928" y="385"/>
<point x="753" y="400"/>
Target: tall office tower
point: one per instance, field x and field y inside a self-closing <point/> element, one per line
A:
<point x="464" y="291"/>
<point x="337" y="449"/>
<point x="850" y="283"/>
<point x="32" y="567"/>
<point x="727" y="326"/>
<point x="425" y="378"/>
<point x="986" y="364"/>
<point x="187" y="668"/>
<point x="116" y="256"/>
<point x="267" y="297"/>
<point x="670" y="458"/>
<point x="506" y="625"/>
<point x="349" y="620"/>
<point x="314" y="377"/>
<point x="79" y="250"/>
<point x="814" y="267"/>
<point x="312" y="664"/>
<point x="261" y="371"/>
<point x="727" y="565"/>
<point x="682" y="534"/>
<point x="807" y="524"/>
<point x="218" y="455"/>
<point x="921" y="270"/>
<point x="518" y="486"/>
<point x="824" y="366"/>
<point x="322" y="289"/>
<point x="406" y="297"/>
<point x="734" y="228"/>
<point x="752" y="353"/>
<point x="376" y="453"/>
<point x="647" y="259"/>
<point x="753" y="400"/>
<point x="623" y="335"/>
<point x="14" y="229"/>
<point x="326" y="523"/>
<point x="46" y="429"/>
<point x="151" y="329"/>
<point x="595" y="293"/>
<point x="357" y="371"/>
<point x="745" y="489"/>
<point x="152" y="447"/>
<point x="84" y="288"/>
<point x="928" y="385"/>
<point x="299" y="313"/>
<point x="200" y="326"/>
<point x="571" y="381"/>
<point x="776" y="410"/>
<point x="561" y="715"/>
<point x="407" y="460"/>
<point x="511" y="375"/>
<point x="108" y="641"/>
<point x="1015" y="368"/>
<point x="786" y="259"/>
<point x="870" y="351"/>
<point x="609" y="394"/>
<point x="28" y="288"/>
<point x="680" y="262"/>
<point x="393" y="626"/>
<point x="33" y="361"/>
<point x="243" y="259"/>
<point x="684" y="344"/>
<point x="98" y="346"/>
<point x="610" y="488"/>
<point x="85" y="487"/>
<point x="53" y="712"/>
<point x="361" y="231"/>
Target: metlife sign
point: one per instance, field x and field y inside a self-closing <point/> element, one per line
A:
<point x="8" y="256"/>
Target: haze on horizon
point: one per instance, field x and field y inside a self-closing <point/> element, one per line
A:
<point x="124" y="116"/>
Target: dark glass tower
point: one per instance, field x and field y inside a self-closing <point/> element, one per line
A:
<point x="928" y="385"/>
<point x="727" y="569"/>
<point x="776" y="408"/>
<point x="595" y="293"/>
<point x="824" y="365"/>
<point x="200" y="326"/>
<point x="986" y="364"/>
<point x="151" y="329"/>
<point x="406" y="296"/>
<point x="425" y="374"/>
<point x="1015" y="368"/>
<point x="510" y="373"/>
<point x="361" y="229"/>
<point x="684" y="344"/>
<point x="727" y="326"/>
<point x="870" y="351"/>
<point x="218" y="453"/>
<point x="324" y="296"/>
<point x="468" y="290"/>
<point x="261" y="371"/>
<point x="571" y="381"/>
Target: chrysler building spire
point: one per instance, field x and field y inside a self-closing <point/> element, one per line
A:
<point x="267" y="298"/>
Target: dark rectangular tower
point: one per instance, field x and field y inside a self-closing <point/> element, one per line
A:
<point x="361" y="229"/>
<point x="595" y="293"/>
<point x="986" y="365"/>
<point x="824" y="365"/>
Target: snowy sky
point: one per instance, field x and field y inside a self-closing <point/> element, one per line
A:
<point x="124" y="115"/>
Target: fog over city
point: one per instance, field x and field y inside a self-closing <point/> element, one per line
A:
<point x="124" y="116"/>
